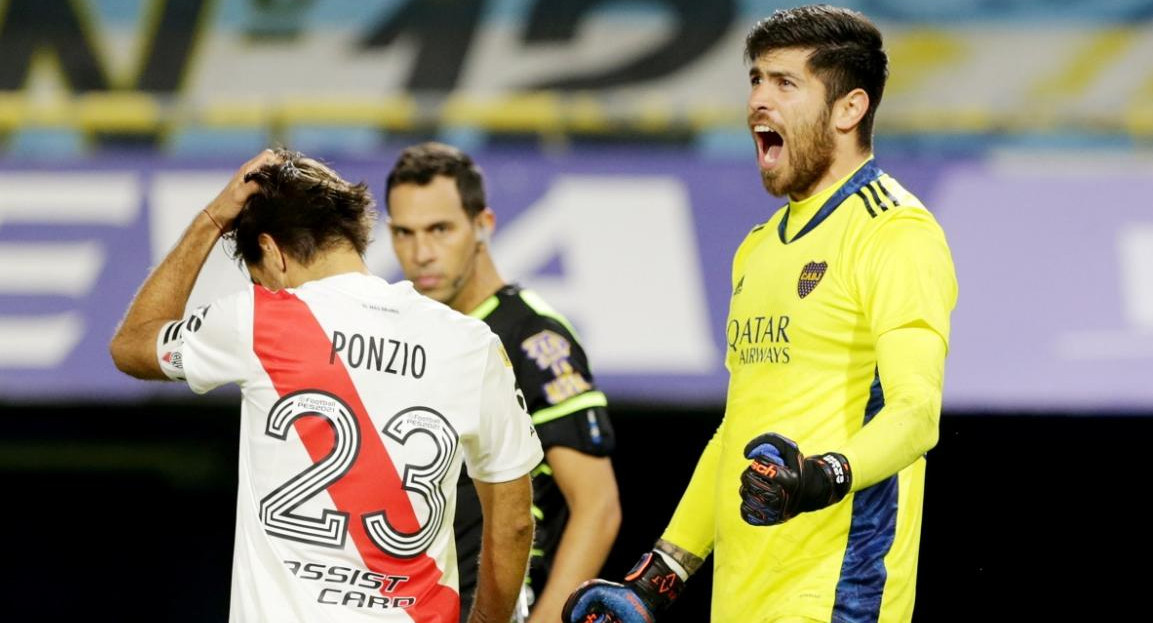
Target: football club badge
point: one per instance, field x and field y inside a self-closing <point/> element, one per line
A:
<point x="811" y="275"/>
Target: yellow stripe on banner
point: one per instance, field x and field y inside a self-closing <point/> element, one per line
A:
<point x="652" y="113"/>
<point x="252" y="113"/>
<point x="586" y="113"/>
<point x="1079" y="76"/>
<point x="54" y="114"/>
<point x="921" y="54"/>
<point x="972" y="119"/>
<point x="586" y="400"/>
<point x="715" y="117"/>
<point x="395" y="113"/>
<point x="527" y="112"/>
<point x="132" y="111"/>
<point x="12" y="111"/>
<point x="1138" y="117"/>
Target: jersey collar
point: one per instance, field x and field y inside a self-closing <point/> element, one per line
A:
<point x="864" y="176"/>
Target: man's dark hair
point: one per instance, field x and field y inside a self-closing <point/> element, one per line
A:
<point x="847" y="52"/>
<point x="419" y="164"/>
<point x="306" y="208"/>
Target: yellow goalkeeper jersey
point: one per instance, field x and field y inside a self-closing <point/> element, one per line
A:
<point x="809" y="301"/>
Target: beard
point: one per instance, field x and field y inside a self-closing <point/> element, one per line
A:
<point x="810" y="156"/>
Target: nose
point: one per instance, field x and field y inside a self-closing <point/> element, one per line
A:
<point x="423" y="250"/>
<point x="759" y="99"/>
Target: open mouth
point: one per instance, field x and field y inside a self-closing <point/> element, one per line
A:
<point x="769" y="144"/>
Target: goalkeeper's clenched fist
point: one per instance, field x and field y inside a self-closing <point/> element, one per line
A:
<point x="780" y="482"/>
<point x="649" y="588"/>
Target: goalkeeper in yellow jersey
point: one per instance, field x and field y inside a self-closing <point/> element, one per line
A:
<point x="809" y="495"/>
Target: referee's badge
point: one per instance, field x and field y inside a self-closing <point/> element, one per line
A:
<point x="811" y="275"/>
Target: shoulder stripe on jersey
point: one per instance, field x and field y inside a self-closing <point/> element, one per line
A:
<point x="868" y="206"/>
<point x="289" y="341"/>
<point x="538" y="305"/>
<point x="888" y="194"/>
<point x="877" y="198"/>
<point x="586" y="400"/>
<point x="484" y="309"/>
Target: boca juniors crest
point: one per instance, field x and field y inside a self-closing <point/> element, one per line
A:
<point x="811" y="275"/>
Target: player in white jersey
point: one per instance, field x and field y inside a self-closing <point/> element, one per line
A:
<point x="361" y="401"/>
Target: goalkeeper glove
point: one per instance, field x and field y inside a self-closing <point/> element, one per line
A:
<point x="780" y="482"/>
<point x="649" y="588"/>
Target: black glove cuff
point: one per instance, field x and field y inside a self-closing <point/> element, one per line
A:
<point x="826" y="480"/>
<point x="655" y="582"/>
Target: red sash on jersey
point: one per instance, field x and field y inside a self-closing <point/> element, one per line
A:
<point x="290" y="344"/>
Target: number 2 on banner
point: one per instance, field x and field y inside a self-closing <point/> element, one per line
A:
<point x="330" y="528"/>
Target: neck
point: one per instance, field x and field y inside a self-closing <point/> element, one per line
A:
<point x="326" y="264"/>
<point x="845" y="161"/>
<point x="485" y="282"/>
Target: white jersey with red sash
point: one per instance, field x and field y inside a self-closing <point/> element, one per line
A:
<point x="361" y="399"/>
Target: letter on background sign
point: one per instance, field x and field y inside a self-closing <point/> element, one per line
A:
<point x="1135" y="246"/>
<point x="630" y="276"/>
<point x="67" y="269"/>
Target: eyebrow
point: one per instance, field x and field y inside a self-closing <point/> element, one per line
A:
<point x="395" y="227"/>
<point x="756" y="71"/>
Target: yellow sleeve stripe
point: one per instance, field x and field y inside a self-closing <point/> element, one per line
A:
<point x="543" y="468"/>
<point x="484" y="309"/>
<point x="586" y="400"/>
<point x="538" y="305"/>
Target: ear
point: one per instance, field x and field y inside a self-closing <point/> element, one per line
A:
<point x="850" y="109"/>
<point x="272" y="255"/>
<point x="484" y="224"/>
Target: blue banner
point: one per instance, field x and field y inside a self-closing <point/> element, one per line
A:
<point x="1055" y="262"/>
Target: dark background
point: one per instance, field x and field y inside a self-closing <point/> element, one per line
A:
<point x="125" y="512"/>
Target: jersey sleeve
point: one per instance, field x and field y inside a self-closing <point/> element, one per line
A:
<point x="692" y="527"/>
<point x="905" y="274"/>
<point x="554" y="374"/>
<point x="507" y="446"/>
<point x="911" y="363"/>
<point x="207" y="349"/>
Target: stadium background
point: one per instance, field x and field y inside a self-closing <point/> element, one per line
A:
<point x="612" y="133"/>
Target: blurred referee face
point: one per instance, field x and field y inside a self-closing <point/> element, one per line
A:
<point x="434" y="239"/>
<point x="790" y="121"/>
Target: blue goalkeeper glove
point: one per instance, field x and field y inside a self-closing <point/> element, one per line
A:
<point x="780" y="482"/>
<point x="648" y="590"/>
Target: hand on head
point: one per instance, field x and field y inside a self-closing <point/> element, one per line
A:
<point x="231" y="200"/>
